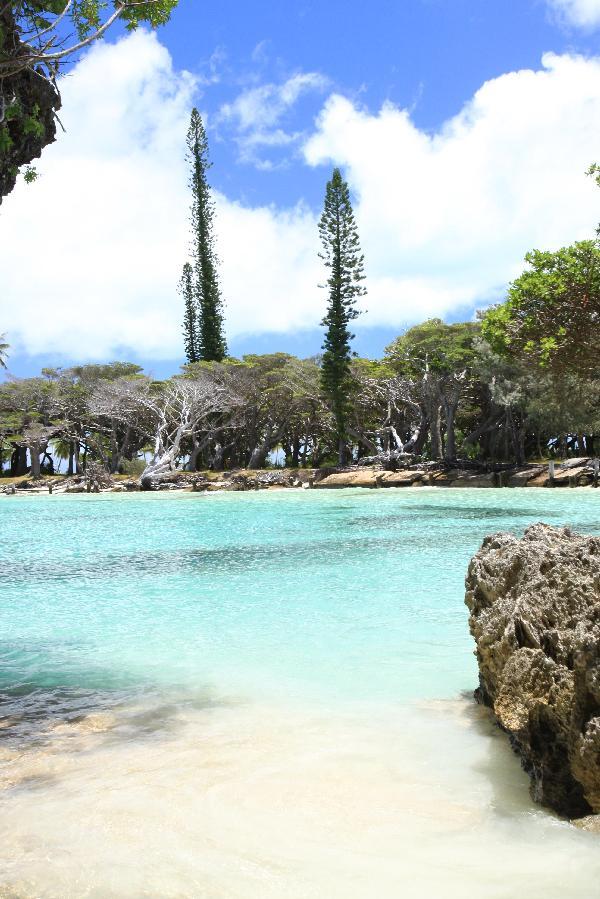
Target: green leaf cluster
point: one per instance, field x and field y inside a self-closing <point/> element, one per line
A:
<point x="552" y="313"/>
<point x="436" y="346"/>
<point x="87" y="16"/>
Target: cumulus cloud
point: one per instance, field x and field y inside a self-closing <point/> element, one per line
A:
<point x="446" y="218"/>
<point x="262" y="107"/>
<point x="271" y="268"/>
<point x="92" y="251"/>
<point x="256" y="113"/>
<point x="581" y="13"/>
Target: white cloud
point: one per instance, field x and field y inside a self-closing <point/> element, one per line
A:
<point x="262" y="107"/>
<point x="92" y="251"/>
<point x="272" y="269"/>
<point x="447" y="217"/>
<point x="581" y="13"/>
<point x="256" y="113"/>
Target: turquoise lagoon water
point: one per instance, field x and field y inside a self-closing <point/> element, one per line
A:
<point x="262" y="694"/>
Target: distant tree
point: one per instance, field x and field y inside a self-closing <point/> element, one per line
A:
<point x="277" y="392"/>
<point x="115" y="435"/>
<point x="84" y="424"/>
<point x="92" y="372"/>
<point x="343" y="258"/>
<point x="27" y="409"/>
<point x="552" y="314"/>
<point x="190" y="315"/>
<point x="177" y="411"/>
<point x="387" y="416"/>
<point x="4" y="347"/>
<point x="211" y="344"/>
<point x="36" y="38"/>
<point x="534" y="411"/>
<point x="439" y="358"/>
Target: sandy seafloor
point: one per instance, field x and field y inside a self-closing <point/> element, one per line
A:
<point x="263" y="695"/>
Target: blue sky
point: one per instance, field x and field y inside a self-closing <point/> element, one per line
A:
<point x="463" y="140"/>
<point x="428" y="55"/>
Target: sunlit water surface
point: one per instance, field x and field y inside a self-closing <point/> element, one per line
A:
<point x="263" y="695"/>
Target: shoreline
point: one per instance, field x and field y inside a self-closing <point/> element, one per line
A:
<point x="186" y="491"/>
<point x="243" y="789"/>
<point x="573" y="473"/>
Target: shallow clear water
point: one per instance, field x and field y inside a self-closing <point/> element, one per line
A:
<point x="262" y="694"/>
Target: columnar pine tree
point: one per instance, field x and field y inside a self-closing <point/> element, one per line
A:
<point x="342" y="256"/>
<point x="190" y="316"/>
<point x="211" y="343"/>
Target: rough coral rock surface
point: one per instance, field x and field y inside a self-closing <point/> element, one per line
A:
<point x="534" y="607"/>
<point x="34" y="95"/>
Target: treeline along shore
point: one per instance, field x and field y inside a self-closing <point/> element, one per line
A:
<point x="441" y="408"/>
<point x="497" y="398"/>
<point x="398" y="473"/>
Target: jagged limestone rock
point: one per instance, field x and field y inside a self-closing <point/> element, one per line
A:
<point x="29" y="102"/>
<point x="534" y="609"/>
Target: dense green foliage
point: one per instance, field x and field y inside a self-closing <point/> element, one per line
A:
<point x="435" y="346"/>
<point x="238" y="412"/>
<point x="552" y="314"/>
<point x="203" y="319"/>
<point x="344" y="261"/>
<point x="190" y="315"/>
<point x="440" y="358"/>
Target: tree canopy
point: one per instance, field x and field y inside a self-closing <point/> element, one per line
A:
<point x="440" y="358"/>
<point x="552" y="313"/>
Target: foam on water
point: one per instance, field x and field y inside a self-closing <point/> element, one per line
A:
<point x="262" y="695"/>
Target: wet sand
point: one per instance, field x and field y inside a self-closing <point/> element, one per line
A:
<point x="185" y="799"/>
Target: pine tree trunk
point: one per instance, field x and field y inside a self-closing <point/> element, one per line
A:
<point x="193" y="460"/>
<point x="450" y="412"/>
<point x="34" y="453"/>
<point x="259" y="455"/>
<point x="18" y="462"/>
<point x="295" y="452"/>
<point x="70" y="466"/>
<point x="435" y="431"/>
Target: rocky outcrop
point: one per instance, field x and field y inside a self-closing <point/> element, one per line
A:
<point x="456" y="477"/>
<point x="28" y="105"/>
<point x="405" y="478"/>
<point x="366" y="477"/>
<point x="523" y="477"/>
<point x="534" y="609"/>
<point x="574" y="473"/>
